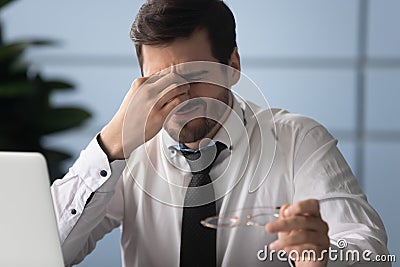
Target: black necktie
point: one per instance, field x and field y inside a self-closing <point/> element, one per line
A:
<point x="198" y="243"/>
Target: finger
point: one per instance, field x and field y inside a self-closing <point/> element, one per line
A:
<point x="297" y="238"/>
<point x="282" y="210"/>
<point x="166" y="83"/>
<point x="153" y="87"/>
<point x="161" y="91"/>
<point x="135" y="85"/>
<point x="297" y="223"/>
<point x="139" y="81"/>
<point x="168" y="107"/>
<point x="155" y="77"/>
<point x="173" y="97"/>
<point x="267" y="227"/>
<point x="307" y="207"/>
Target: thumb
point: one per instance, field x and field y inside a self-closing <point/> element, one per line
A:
<point x="282" y="210"/>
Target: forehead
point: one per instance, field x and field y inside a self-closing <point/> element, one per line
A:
<point x="195" y="48"/>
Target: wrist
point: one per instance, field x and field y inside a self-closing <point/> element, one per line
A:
<point x="112" y="148"/>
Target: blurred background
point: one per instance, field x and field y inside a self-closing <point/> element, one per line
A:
<point x="335" y="61"/>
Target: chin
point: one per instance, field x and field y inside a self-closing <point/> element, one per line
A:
<point x="193" y="131"/>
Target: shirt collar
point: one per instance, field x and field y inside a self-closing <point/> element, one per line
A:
<point x="229" y="134"/>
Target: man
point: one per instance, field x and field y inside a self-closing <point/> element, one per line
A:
<point x="132" y="173"/>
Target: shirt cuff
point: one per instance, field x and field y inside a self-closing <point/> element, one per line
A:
<point x="92" y="166"/>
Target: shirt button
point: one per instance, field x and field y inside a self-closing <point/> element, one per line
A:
<point x="103" y="173"/>
<point x="73" y="211"/>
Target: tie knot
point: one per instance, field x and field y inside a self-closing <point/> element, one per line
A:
<point x="202" y="160"/>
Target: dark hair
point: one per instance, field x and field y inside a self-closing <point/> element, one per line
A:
<point x="159" y="22"/>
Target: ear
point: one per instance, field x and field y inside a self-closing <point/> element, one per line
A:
<point x="234" y="62"/>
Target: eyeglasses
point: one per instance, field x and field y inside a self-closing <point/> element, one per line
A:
<point x="258" y="216"/>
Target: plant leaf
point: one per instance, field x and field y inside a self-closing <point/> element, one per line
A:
<point x="57" y="85"/>
<point x="4" y="2"/>
<point x="59" y="119"/>
<point x="16" y="89"/>
<point x="18" y="67"/>
<point x="14" y="50"/>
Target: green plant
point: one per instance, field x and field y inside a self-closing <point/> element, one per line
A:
<point x="26" y="112"/>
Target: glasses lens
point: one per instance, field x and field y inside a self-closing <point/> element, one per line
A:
<point x="244" y="217"/>
<point x="221" y="222"/>
<point x="261" y="219"/>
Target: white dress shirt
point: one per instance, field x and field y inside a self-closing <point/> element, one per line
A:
<point x="274" y="158"/>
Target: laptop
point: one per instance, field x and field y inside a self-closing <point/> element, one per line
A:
<point x="28" y="229"/>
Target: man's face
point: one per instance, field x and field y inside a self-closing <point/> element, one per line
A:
<point x="189" y="123"/>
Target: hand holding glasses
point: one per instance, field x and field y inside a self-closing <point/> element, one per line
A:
<point x="257" y="216"/>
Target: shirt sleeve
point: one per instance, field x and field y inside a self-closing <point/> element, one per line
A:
<point x="321" y="172"/>
<point x="88" y="202"/>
